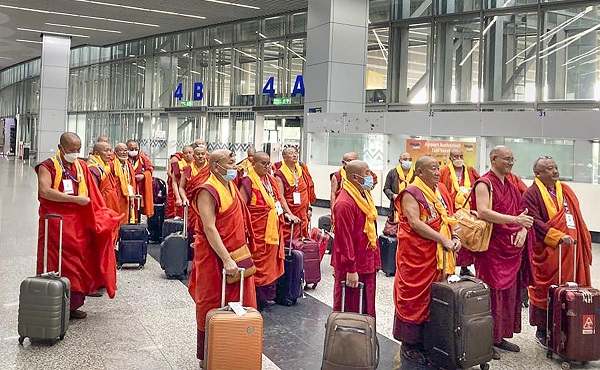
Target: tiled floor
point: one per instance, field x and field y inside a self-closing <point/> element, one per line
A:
<point x="151" y="322"/>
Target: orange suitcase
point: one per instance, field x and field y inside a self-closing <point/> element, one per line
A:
<point x="233" y="342"/>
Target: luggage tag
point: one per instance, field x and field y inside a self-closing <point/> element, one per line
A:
<point x="463" y="190"/>
<point x="570" y="221"/>
<point x="279" y="208"/>
<point x="68" y="187"/>
<point x="237" y="308"/>
<point x="297" y="199"/>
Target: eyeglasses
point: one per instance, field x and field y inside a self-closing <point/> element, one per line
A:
<point x="544" y="157"/>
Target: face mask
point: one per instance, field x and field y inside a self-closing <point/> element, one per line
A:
<point x="368" y="182"/>
<point x="133" y="153"/>
<point x="406" y="164"/>
<point x="230" y="175"/>
<point x="71" y="157"/>
<point x="458" y="162"/>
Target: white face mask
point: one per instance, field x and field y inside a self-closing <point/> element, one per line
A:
<point x="133" y="153"/>
<point x="71" y="157"/>
<point x="458" y="162"/>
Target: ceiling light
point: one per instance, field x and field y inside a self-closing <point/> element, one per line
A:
<point x="141" y="9"/>
<point x="29" y="41"/>
<point x="76" y="15"/>
<point x="82" y="28"/>
<point x="233" y="4"/>
<point x="222" y="73"/>
<point x="52" y="32"/>
<point x="244" y="70"/>
<point x="219" y="41"/>
<point x="5" y="58"/>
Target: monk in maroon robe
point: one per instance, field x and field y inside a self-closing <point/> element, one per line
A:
<point x="222" y="228"/>
<point x="173" y="206"/>
<point x="143" y="168"/>
<point x="503" y="264"/>
<point x="66" y="188"/>
<point x="459" y="179"/>
<point x="355" y="252"/>
<point x="192" y="177"/>
<point x="557" y="220"/>
<point x="425" y="233"/>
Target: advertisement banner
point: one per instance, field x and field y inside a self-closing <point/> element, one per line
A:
<point x="440" y="149"/>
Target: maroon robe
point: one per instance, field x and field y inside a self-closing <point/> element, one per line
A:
<point x="352" y="254"/>
<point x="500" y="266"/>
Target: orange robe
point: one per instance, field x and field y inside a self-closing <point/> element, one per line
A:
<point x="122" y="184"/>
<point x="143" y="166"/>
<point x="517" y="182"/>
<point x="306" y="188"/>
<point x="206" y="273"/>
<point x="194" y="179"/>
<point x="464" y="256"/>
<point x="170" y="209"/>
<point x="104" y="172"/>
<point x="88" y="238"/>
<point x="269" y="256"/>
<point x="548" y="232"/>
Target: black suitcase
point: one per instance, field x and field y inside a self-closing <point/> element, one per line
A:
<point x="172" y="225"/>
<point x="290" y="286"/>
<point x="155" y="223"/>
<point x="387" y="247"/>
<point x="174" y="252"/>
<point x="460" y="334"/>
<point x="133" y="242"/>
<point x="45" y="299"/>
<point x="325" y="223"/>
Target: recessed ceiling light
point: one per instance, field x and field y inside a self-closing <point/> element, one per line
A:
<point x="233" y="4"/>
<point x="81" y="28"/>
<point x="53" y="33"/>
<point x="29" y="41"/>
<point x="141" y="9"/>
<point x="5" y="58"/>
<point x="76" y="15"/>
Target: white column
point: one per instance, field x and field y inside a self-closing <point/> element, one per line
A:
<point x="336" y="62"/>
<point x="259" y="131"/>
<point x="56" y="52"/>
<point x="172" y="135"/>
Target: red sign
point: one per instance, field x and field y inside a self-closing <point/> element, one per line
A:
<point x="589" y="326"/>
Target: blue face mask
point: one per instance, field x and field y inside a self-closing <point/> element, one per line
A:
<point x="367" y="182"/>
<point x="230" y="175"/>
<point x="406" y="164"/>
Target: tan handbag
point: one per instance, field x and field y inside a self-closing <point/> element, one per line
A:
<point x="243" y="258"/>
<point x="474" y="232"/>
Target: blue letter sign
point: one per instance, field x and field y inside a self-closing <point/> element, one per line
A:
<point x="198" y="91"/>
<point x="178" y="92"/>
<point x="298" y="86"/>
<point x="270" y="87"/>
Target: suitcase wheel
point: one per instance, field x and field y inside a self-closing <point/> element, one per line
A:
<point x="119" y="266"/>
<point x="388" y="274"/>
<point x="484" y="366"/>
<point x="21" y="340"/>
<point x="141" y="266"/>
<point x="314" y="286"/>
<point x="61" y="337"/>
<point x="549" y="354"/>
<point x="565" y="365"/>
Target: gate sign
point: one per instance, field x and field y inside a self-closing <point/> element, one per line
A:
<point x="589" y="325"/>
<point x="268" y="89"/>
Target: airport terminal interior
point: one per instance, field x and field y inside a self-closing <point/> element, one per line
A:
<point x="326" y="77"/>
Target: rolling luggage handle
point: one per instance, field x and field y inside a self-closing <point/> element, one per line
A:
<point x="291" y="247"/>
<point x="241" y="271"/>
<point x="60" y="245"/>
<point x="185" y="222"/>
<point x="132" y="220"/>
<point x="574" y="264"/>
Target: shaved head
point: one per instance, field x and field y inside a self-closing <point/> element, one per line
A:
<point x="357" y="167"/>
<point x="219" y="155"/>
<point x="424" y="162"/>
<point x="251" y="151"/>
<point x="350" y="156"/>
<point x="455" y="152"/>
<point x="99" y="147"/>
<point x="259" y="156"/>
<point x="69" y="138"/>
<point x="289" y="150"/>
<point x="499" y="151"/>
<point x="102" y="139"/>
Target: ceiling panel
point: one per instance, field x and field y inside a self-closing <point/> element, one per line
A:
<point x="84" y="13"/>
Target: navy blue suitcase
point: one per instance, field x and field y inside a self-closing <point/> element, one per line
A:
<point x="172" y="225"/>
<point x="387" y="248"/>
<point x="174" y="252"/>
<point x="155" y="223"/>
<point x="133" y="243"/>
<point x="290" y="286"/>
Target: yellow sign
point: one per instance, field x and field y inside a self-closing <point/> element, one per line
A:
<point x="440" y="150"/>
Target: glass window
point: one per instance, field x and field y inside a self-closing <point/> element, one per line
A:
<point x="410" y="74"/>
<point x="491" y="4"/>
<point x="182" y="41"/>
<point x="118" y="51"/>
<point x="411" y="8"/>
<point x="181" y="74"/>
<point x="199" y="73"/>
<point x="274" y="66"/>
<point x="247" y="31"/>
<point x="200" y="38"/>
<point x="296" y="60"/>
<point x="244" y="72"/>
<point x="456" y="65"/>
<point x="298" y="23"/>
<point x="570" y="54"/>
<point x="221" y="85"/>
<point x="116" y="78"/>
<point x="104" y="87"/>
<point x="458" y="6"/>
<point x="163" y="44"/>
<point x="377" y="65"/>
<point x="222" y="35"/>
<point x="328" y="149"/>
<point x="162" y="88"/>
<point x="274" y="27"/>
<point x="526" y="151"/>
<point x="379" y="10"/>
<point x="509" y="57"/>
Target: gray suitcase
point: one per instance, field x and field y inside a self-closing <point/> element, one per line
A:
<point x="45" y="300"/>
<point x="174" y="251"/>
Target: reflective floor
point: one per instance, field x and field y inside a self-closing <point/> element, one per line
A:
<point x="151" y="322"/>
